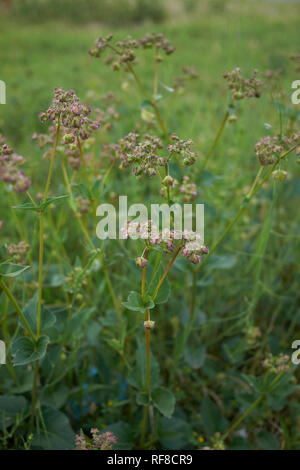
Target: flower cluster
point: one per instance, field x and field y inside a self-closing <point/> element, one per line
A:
<point x="100" y="45"/>
<point x="188" y="190"/>
<point x="190" y="243"/>
<point x="253" y="334"/>
<point x="102" y="441"/>
<point x="83" y="205"/>
<point x="107" y="116"/>
<point x="149" y="325"/>
<point x="188" y="73"/>
<point x="18" y="251"/>
<point x="275" y="365"/>
<point x="193" y="248"/>
<point x="142" y="155"/>
<point x="124" y="51"/>
<point x="75" y="280"/>
<point x="183" y="148"/>
<point x="72" y="115"/>
<point x="293" y="140"/>
<point x="279" y="175"/>
<point x="44" y="139"/>
<point x="243" y="87"/>
<point x="158" y="41"/>
<point x="9" y="171"/>
<point x="268" y="150"/>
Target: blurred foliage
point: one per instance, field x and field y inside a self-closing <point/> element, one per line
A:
<point x="88" y="11"/>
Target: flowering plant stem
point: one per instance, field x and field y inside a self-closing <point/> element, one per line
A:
<point x="155" y="82"/>
<point x="11" y="297"/>
<point x="40" y="274"/>
<point x="255" y="187"/>
<point x="148" y="352"/>
<point x="165" y="273"/>
<point x="89" y="240"/>
<point x="215" y="142"/>
<point x="153" y="103"/>
<point x="104" y="267"/>
<point x="148" y="375"/>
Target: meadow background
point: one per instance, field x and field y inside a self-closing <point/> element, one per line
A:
<point x="253" y="279"/>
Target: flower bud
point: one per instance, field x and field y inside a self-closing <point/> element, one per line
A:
<point x="237" y="95"/>
<point x="68" y="138"/>
<point x="116" y="66"/>
<point x="279" y="175"/>
<point x="141" y="262"/>
<point x="168" y="180"/>
<point x="232" y="119"/>
<point x="149" y="325"/>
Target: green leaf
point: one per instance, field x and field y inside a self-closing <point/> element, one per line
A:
<point x="267" y="441"/>
<point x="56" y="432"/>
<point x="42" y="205"/>
<point x="137" y="374"/>
<point x="221" y="262"/>
<point x="83" y="190"/>
<point x="142" y="399"/>
<point x="155" y="274"/>
<point x="135" y="302"/>
<point x="30" y="312"/>
<point x="145" y="104"/>
<point x="27" y="206"/>
<point x="164" y="401"/>
<point x="124" y="433"/>
<point x="234" y="349"/>
<point x="213" y="421"/>
<point x="174" y="433"/>
<point x="55" y="398"/>
<point x="194" y="355"/>
<point x="10" y="407"/>
<point x="12" y="270"/>
<point x="25" y="350"/>
<point x="115" y="344"/>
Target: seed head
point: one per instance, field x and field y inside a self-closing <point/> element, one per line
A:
<point x="141" y="262"/>
<point x="279" y="175"/>
<point x="149" y="325"/>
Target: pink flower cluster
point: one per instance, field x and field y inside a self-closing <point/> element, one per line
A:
<point x="268" y="149"/>
<point x="73" y="115"/>
<point x="123" y="52"/>
<point x="243" y="87"/>
<point x="18" y="251"/>
<point x="102" y="441"/>
<point x="190" y="243"/>
<point x="183" y="148"/>
<point x="143" y="155"/>
<point x="9" y="168"/>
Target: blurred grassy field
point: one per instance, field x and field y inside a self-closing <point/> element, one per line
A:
<point x="262" y="248"/>
<point x="37" y="58"/>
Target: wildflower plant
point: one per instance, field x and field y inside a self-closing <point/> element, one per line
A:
<point x="88" y="303"/>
